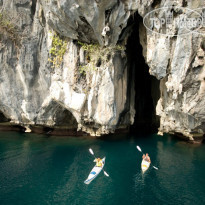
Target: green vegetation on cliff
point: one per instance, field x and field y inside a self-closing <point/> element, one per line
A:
<point x="57" y="50"/>
<point x="97" y="55"/>
<point x="8" y="30"/>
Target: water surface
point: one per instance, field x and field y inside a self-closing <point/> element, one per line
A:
<point x="37" y="169"/>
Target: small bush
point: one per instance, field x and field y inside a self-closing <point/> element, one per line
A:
<point x="95" y="54"/>
<point x="8" y="29"/>
<point x="88" y="67"/>
<point x="57" y="51"/>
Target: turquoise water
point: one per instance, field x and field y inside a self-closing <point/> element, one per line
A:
<point x="36" y="169"/>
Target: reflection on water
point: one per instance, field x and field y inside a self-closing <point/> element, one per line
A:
<point x="139" y="181"/>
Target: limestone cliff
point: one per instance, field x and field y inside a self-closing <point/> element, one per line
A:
<point x="63" y="63"/>
<point x="76" y="92"/>
<point x="178" y="62"/>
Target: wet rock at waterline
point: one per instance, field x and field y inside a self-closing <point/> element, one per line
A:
<point x="65" y="64"/>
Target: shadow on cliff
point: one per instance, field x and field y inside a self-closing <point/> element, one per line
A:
<point x="146" y="86"/>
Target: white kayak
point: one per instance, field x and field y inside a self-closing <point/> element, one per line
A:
<point x="94" y="172"/>
<point x="145" y="165"/>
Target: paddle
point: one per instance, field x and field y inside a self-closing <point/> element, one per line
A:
<point x="143" y="153"/>
<point x="105" y="173"/>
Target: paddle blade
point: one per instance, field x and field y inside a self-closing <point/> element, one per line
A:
<point x="155" y="167"/>
<point x="139" y="148"/>
<point x="91" y="151"/>
<point x="106" y="174"/>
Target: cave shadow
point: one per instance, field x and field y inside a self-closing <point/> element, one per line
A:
<point x="146" y="87"/>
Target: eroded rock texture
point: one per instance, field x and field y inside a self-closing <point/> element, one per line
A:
<point x="35" y="93"/>
<point x="178" y="62"/>
<point x="97" y="100"/>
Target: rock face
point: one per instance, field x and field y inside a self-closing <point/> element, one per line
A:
<point x="178" y="62"/>
<point x="91" y="90"/>
<point x="34" y="93"/>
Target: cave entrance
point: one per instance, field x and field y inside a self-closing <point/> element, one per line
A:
<point x="3" y="118"/>
<point x="146" y="86"/>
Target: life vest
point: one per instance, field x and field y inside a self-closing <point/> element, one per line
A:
<point x="99" y="163"/>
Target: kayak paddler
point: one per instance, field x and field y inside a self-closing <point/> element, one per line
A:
<point x="146" y="157"/>
<point x="99" y="162"/>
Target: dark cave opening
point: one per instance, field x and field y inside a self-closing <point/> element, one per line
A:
<point x="3" y="118"/>
<point x="146" y="86"/>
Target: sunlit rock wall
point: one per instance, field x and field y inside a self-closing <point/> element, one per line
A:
<point x="178" y="62"/>
<point x="35" y="93"/>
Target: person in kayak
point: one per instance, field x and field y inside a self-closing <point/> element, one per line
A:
<point x="146" y="157"/>
<point x="99" y="162"/>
